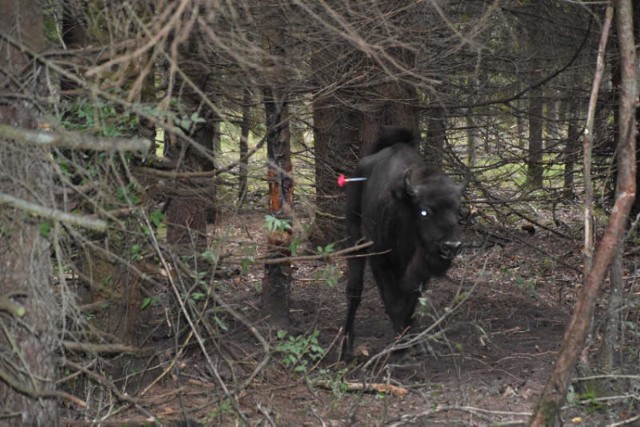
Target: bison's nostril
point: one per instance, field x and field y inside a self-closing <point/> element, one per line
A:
<point x="450" y="249"/>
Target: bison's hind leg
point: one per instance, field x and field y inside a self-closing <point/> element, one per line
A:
<point x="355" y="277"/>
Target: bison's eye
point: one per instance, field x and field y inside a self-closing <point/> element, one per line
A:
<point x="425" y="213"/>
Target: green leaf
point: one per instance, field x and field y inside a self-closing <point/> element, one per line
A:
<point x="156" y="217"/>
<point x="45" y="228"/>
<point x="274" y="224"/>
<point x="210" y="256"/>
<point x="146" y="303"/>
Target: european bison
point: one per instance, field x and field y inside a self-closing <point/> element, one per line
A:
<point x="409" y="211"/>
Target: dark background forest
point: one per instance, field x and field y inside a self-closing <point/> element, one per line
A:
<point x="172" y="234"/>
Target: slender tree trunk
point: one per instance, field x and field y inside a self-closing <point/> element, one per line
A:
<point x="276" y="282"/>
<point x="472" y="140"/>
<point x="548" y="407"/>
<point x="29" y="338"/>
<point x="611" y="331"/>
<point x="635" y="210"/>
<point x="552" y="121"/>
<point x="243" y="167"/>
<point x="434" y="144"/>
<point x="534" y="158"/>
<point x="277" y="278"/>
<point x="571" y="150"/>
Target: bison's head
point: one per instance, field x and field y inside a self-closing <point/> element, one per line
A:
<point x="433" y="199"/>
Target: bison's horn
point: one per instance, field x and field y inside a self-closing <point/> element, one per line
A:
<point x="408" y="188"/>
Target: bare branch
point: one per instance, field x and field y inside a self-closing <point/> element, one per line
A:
<point x="53" y="214"/>
<point x="73" y="140"/>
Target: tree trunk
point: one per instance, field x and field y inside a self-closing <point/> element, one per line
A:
<point x="548" y="407"/>
<point x="398" y="109"/>
<point x="611" y="331"/>
<point x="30" y="339"/>
<point x="277" y="277"/>
<point x="635" y="210"/>
<point x="571" y="150"/>
<point x="243" y="166"/>
<point x="434" y="144"/>
<point x="472" y="138"/>
<point x="534" y="157"/>
<point x="192" y="201"/>
<point x="336" y="136"/>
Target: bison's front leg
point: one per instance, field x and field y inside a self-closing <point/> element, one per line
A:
<point x="398" y="304"/>
<point x="415" y="276"/>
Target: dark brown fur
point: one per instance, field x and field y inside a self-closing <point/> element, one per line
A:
<point x="409" y="210"/>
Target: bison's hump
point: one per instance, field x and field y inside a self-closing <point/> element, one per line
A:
<point x="390" y="136"/>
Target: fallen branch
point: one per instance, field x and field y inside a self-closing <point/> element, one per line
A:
<point x="53" y="214"/>
<point x="123" y="397"/>
<point x="73" y="140"/>
<point x="100" y="348"/>
<point x="15" y="384"/>
<point x="340" y="253"/>
<point x="365" y="388"/>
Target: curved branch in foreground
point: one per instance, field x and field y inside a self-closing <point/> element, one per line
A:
<point x="73" y="140"/>
<point x="53" y="214"/>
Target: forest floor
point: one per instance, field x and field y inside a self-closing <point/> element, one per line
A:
<point x="495" y="326"/>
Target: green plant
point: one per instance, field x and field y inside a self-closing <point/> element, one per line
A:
<point x="333" y="379"/>
<point x="245" y="263"/>
<point x="274" y="224"/>
<point x="422" y="307"/>
<point x="329" y="274"/>
<point x="221" y="410"/>
<point x="127" y="195"/>
<point x="327" y="250"/>
<point x="527" y="284"/>
<point x="185" y="122"/>
<point x="45" y="228"/>
<point x="293" y="247"/>
<point x="148" y="302"/>
<point x="210" y="257"/>
<point x="588" y="399"/>
<point x="299" y="351"/>
<point x="135" y="252"/>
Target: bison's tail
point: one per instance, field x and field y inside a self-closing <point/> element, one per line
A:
<point x="390" y="136"/>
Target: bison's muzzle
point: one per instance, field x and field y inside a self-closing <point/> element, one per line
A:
<point x="449" y="250"/>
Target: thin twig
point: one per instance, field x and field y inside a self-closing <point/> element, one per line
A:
<point x="121" y="396"/>
<point x="12" y="382"/>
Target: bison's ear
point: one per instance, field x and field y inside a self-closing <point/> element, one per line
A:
<point x="406" y="190"/>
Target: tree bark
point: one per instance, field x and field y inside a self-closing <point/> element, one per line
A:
<point x="335" y="129"/>
<point x="243" y="166"/>
<point x="611" y="330"/>
<point x="30" y="338"/>
<point x="534" y="157"/>
<point x="277" y="277"/>
<point x="548" y="407"/>
<point x="434" y="143"/>
<point x="571" y="150"/>
<point x="397" y="106"/>
<point x="192" y="201"/>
